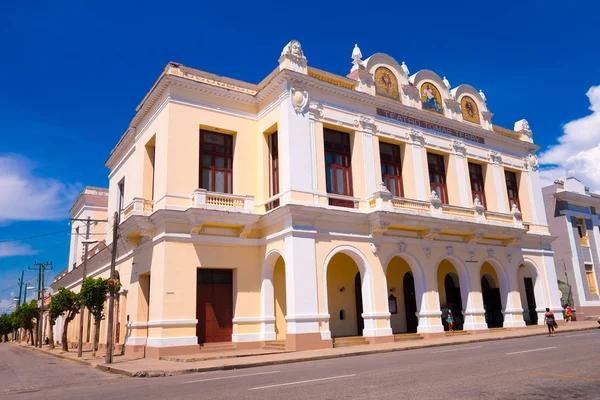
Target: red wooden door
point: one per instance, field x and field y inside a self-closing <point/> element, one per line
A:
<point x="214" y="306"/>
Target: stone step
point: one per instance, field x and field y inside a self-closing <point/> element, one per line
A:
<point x="217" y="347"/>
<point x="401" y="337"/>
<point x="274" y="345"/>
<point x="448" y="333"/>
<point x="349" y="341"/>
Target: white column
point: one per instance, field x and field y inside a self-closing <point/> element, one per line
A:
<point x="538" y="209"/>
<point x="301" y="283"/>
<point x="429" y="314"/>
<point x="316" y="113"/>
<point x="551" y="281"/>
<point x="295" y="146"/>
<point x="371" y="185"/>
<point x="461" y="173"/>
<point x="473" y="307"/>
<point x="500" y="183"/>
<point x="577" y="265"/>
<point x="418" y="141"/>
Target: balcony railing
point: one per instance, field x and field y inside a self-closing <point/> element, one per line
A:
<point x="201" y="198"/>
<point x="138" y="206"/>
<point x="383" y="200"/>
<point x="409" y="204"/>
<point x="458" y="211"/>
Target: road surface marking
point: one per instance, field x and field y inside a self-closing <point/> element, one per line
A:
<point x="529" y="351"/>
<point x="583" y="334"/>
<point x="462" y="348"/>
<point x="301" y="382"/>
<point x="581" y="378"/>
<point x="232" y="376"/>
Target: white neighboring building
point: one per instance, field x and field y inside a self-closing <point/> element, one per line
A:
<point x="573" y="217"/>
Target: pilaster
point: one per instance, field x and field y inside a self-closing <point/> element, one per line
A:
<point x="499" y="182"/>
<point x="303" y="318"/>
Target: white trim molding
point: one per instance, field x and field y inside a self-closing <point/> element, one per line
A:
<point x="247" y="337"/>
<point x="171" y="323"/>
<point x="252" y="320"/>
<point x="136" y="341"/>
<point x="172" y="341"/>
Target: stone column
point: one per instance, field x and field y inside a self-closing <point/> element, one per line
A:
<point x="430" y="314"/>
<point x="419" y="158"/>
<point x="367" y="127"/>
<point x="296" y="145"/>
<point x="551" y="281"/>
<point x="474" y="312"/>
<point x="499" y="182"/>
<point x="301" y="292"/>
<point x="462" y="168"/>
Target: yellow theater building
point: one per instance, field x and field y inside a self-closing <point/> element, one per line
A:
<point x="311" y="207"/>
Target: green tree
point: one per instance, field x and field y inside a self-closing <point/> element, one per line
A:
<point x="6" y="326"/>
<point x="53" y="313"/>
<point x="26" y="313"/>
<point x="93" y="297"/>
<point x="65" y="302"/>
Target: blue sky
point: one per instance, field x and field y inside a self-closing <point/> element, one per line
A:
<point x="72" y="74"/>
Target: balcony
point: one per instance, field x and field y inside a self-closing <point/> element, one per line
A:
<point x="138" y="206"/>
<point x="584" y="241"/>
<point x="382" y="200"/>
<point x="201" y="198"/>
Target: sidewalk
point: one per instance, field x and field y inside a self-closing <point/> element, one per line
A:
<point x="155" y="368"/>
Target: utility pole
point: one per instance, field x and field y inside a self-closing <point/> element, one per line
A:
<point x="111" y="299"/>
<point x="41" y="268"/>
<point x="83" y="276"/>
<point x="86" y="243"/>
<point x="20" y="283"/>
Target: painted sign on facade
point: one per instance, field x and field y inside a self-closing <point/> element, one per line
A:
<point x="428" y="125"/>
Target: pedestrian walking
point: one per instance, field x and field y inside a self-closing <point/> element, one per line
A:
<point x="550" y="321"/>
<point x="568" y="313"/>
<point x="450" y="321"/>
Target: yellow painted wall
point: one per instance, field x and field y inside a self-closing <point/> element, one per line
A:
<point x="280" y="299"/>
<point x="341" y="272"/>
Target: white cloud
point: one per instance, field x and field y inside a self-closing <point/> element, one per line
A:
<point x="25" y="196"/>
<point x="6" y="305"/>
<point x="578" y="150"/>
<point x="11" y="249"/>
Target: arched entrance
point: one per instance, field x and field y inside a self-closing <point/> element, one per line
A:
<point x="410" y="303"/>
<point x="450" y="295"/>
<point x="492" y="302"/>
<point x="279" y="291"/>
<point x="401" y="296"/>
<point x="344" y="296"/>
<point x="492" y="294"/>
<point x="531" y="291"/>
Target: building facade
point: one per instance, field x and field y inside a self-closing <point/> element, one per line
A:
<point x="313" y="206"/>
<point x="571" y="210"/>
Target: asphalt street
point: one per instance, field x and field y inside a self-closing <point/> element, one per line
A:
<point x="563" y="367"/>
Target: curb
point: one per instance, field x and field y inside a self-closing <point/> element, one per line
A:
<point x="82" y="362"/>
<point x="155" y="374"/>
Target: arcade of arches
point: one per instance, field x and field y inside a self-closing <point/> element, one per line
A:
<point x="484" y="298"/>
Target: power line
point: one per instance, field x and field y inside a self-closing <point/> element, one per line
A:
<point x="34" y="237"/>
<point x="46" y="234"/>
